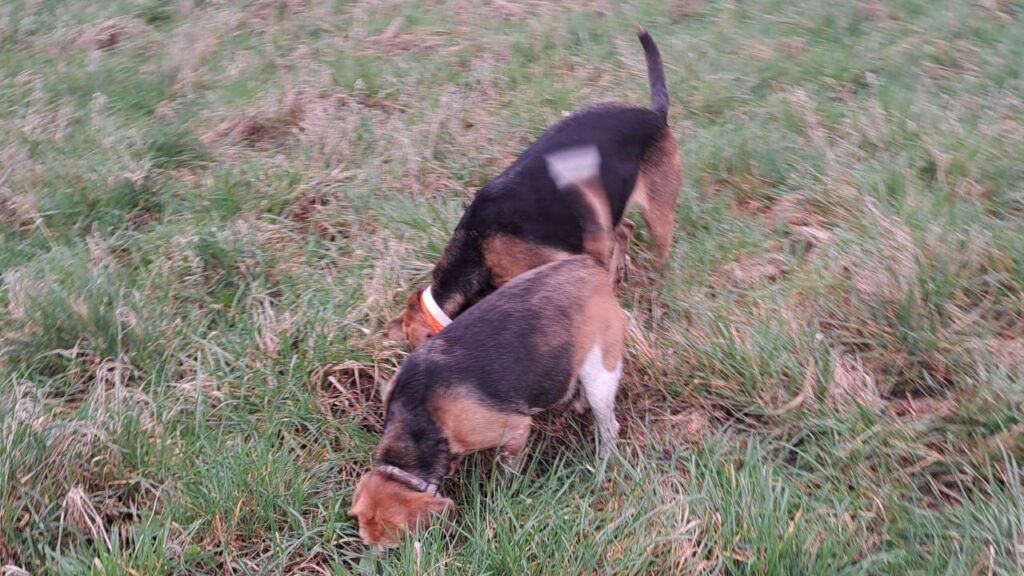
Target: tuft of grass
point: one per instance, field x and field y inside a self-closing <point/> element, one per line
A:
<point x="169" y="147"/>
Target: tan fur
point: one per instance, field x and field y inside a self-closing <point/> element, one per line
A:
<point x="387" y="508"/>
<point x="596" y="234"/>
<point x="411" y="323"/>
<point x="601" y="322"/>
<point x="470" y="426"/>
<point x="623" y="237"/>
<point x="657" y="192"/>
<point x="598" y="319"/>
<point x="507" y="257"/>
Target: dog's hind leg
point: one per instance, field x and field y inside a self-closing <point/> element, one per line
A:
<point x="661" y="175"/>
<point x="620" y="251"/>
<point x="513" y="444"/>
<point x="599" y="386"/>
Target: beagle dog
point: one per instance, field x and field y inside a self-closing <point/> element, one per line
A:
<point x="526" y="348"/>
<point x="520" y="221"/>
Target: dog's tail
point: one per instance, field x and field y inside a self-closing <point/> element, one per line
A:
<point x="655" y="74"/>
<point x="578" y="172"/>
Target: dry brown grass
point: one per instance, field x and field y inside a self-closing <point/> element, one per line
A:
<point x="111" y="34"/>
<point x="351" y="390"/>
<point x="851" y="385"/>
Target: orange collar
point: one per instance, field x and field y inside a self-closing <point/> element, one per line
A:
<point x="436" y="318"/>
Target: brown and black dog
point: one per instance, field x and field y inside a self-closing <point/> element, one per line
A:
<point x="520" y="221"/>
<point x="523" y="349"/>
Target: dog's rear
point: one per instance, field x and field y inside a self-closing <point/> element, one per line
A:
<point x="661" y="170"/>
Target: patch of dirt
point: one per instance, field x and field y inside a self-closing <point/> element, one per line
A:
<point x="750" y="191"/>
<point x="312" y="210"/>
<point x="685" y="9"/>
<point x="687" y="427"/>
<point x="18" y="211"/>
<point x="875" y="11"/>
<point x="294" y="113"/>
<point x="108" y="34"/>
<point x="790" y="213"/>
<point x="758" y="49"/>
<point x="851" y="385"/>
<point x="512" y="9"/>
<point x="787" y="212"/>
<point x="1008" y="353"/>
<point x="791" y="46"/>
<point x="912" y="409"/>
<point x="350" y="390"/>
<point x="393" y="41"/>
<point x="1003" y="10"/>
<point x="262" y="128"/>
<point x="754" y="270"/>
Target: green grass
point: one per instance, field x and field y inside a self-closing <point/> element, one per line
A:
<point x="210" y="210"/>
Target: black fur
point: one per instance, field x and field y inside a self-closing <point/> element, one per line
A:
<point x="655" y="74"/>
<point x="524" y="202"/>
<point x="418" y="447"/>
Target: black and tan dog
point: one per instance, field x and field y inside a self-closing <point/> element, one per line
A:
<point x="524" y="349"/>
<point x="519" y="221"/>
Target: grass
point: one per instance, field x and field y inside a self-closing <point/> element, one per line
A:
<point x="209" y="211"/>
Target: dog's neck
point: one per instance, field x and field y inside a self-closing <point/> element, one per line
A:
<point x="460" y="278"/>
<point x="411" y="481"/>
<point x="413" y="442"/>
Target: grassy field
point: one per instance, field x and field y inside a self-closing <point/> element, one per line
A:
<point x="210" y="209"/>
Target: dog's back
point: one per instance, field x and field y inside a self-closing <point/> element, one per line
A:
<point x="519" y="349"/>
<point x="523" y="199"/>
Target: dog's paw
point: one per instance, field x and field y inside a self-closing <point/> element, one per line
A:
<point x="511" y="463"/>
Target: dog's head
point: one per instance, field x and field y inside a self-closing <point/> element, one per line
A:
<point x="412" y="323"/>
<point x="386" y="509"/>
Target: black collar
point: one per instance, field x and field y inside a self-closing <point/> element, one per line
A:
<point x="410" y="480"/>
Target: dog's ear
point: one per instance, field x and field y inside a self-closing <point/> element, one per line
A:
<point x="439" y="508"/>
<point x="395" y="331"/>
<point x="439" y="505"/>
<point x="353" y="511"/>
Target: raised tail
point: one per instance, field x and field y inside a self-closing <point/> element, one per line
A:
<point x="577" y="171"/>
<point x="655" y="74"/>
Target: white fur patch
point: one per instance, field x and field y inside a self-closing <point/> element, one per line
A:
<point x="599" y="388"/>
<point x="573" y="165"/>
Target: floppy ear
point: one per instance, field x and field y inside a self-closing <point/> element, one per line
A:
<point x="352" y="512"/>
<point x="439" y="505"/>
<point x="353" y="509"/>
<point x="395" y="331"/>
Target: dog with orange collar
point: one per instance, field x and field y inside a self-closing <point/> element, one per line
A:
<point x="519" y="220"/>
<point x="456" y="394"/>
